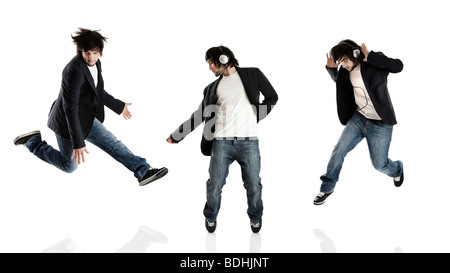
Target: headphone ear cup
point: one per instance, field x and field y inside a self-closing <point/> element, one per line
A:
<point x="356" y="53"/>
<point x="223" y="59"/>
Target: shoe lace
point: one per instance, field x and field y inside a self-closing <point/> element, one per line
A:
<point x="321" y="194"/>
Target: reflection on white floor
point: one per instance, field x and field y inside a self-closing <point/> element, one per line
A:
<point x="140" y="243"/>
<point x="327" y="245"/>
<point x="211" y="243"/>
<point x="68" y="245"/>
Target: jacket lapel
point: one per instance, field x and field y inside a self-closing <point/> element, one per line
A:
<point x="88" y="75"/>
<point x="364" y="77"/>
<point x="243" y="78"/>
<point x="100" y="78"/>
<point x="252" y="94"/>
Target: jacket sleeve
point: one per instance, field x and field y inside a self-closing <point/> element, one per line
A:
<point x="378" y="59"/>
<point x="189" y="125"/>
<point x="333" y="72"/>
<point x="270" y="96"/>
<point x="72" y="81"/>
<point x="109" y="101"/>
<point x="112" y="103"/>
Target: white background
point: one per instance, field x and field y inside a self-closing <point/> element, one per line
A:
<point x="154" y="58"/>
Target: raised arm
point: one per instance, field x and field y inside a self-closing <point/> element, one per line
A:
<point x="331" y="67"/>
<point x="378" y="59"/>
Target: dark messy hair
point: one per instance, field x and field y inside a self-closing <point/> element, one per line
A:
<point x="86" y="39"/>
<point x="214" y="53"/>
<point x="345" y="50"/>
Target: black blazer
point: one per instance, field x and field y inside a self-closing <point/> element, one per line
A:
<point x="79" y="102"/>
<point x="255" y="83"/>
<point x="374" y="73"/>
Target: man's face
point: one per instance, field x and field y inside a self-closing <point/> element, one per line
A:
<point x="216" y="70"/>
<point x="91" y="56"/>
<point x="346" y="63"/>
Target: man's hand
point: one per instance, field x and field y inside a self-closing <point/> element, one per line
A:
<point x="365" y="51"/>
<point x="170" y="140"/>
<point x="78" y="155"/>
<point x="330" y="61"/>
<point x="126" y="114"/>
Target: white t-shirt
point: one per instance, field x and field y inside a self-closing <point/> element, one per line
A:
<point x="94" y="73"/>
<point x="362" y="99"/>
<point x="236" y="116"/>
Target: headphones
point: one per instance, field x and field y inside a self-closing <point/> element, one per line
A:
<point x="356" y="50"/>
<point x="223" y="58"/>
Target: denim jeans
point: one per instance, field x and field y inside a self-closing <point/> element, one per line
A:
<point x="100" y="137"/>
<point x="225" y="152"/>
<point x="378" y="135"/>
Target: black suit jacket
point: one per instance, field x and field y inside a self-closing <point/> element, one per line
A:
<point x="255" y="83"/>
<point x="79" y="102"/>
<point x="374" y="73"/>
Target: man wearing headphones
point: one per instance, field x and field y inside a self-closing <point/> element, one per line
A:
<point x="231" y="109"/>
<point x="364" y="107"/>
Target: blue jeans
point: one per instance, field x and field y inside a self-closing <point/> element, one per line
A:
<point x="100" y="137"/>
<point x="378" y="135"/>
<point x="225" y="152"/>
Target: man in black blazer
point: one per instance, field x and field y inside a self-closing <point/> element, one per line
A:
<point x="364" y="107"/>
<point x="78" y="114"/>
<point x="231" y="109"/>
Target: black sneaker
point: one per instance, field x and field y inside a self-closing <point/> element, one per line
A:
<point x="22" y="139"/>
<point x="152" y="175"/>
<point x="256" y="227"/>
<point x="320" y="198"/>
<point x="398" y="181"/>
<point x="210" y="226"/>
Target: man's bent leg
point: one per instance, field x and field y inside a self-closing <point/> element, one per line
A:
<point x="350" y="137"/>
<point x="105" y="140"/>
<point x="60" y="159"/>
<point x="379" y="135"/>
